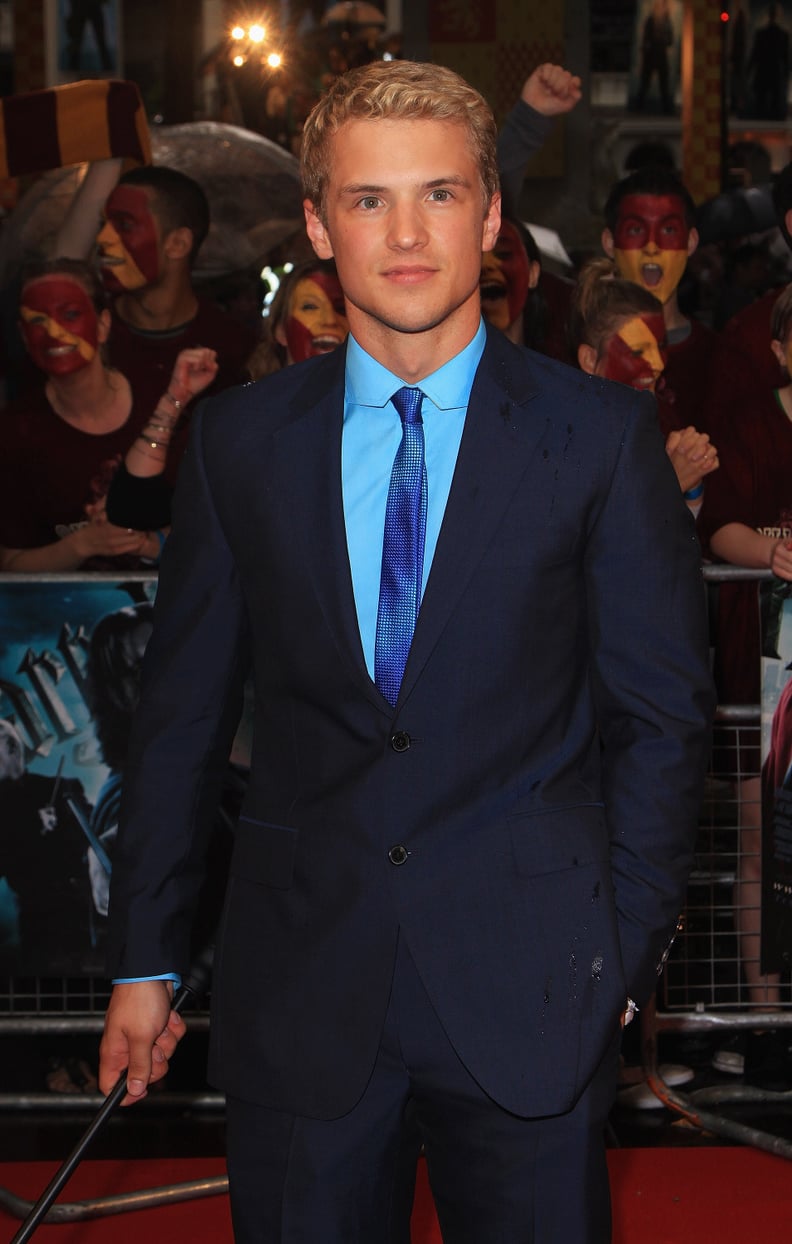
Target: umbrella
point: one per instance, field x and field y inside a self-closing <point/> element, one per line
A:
<point x="252" y="184"/>
<point x="349" y="13"/>
<point x="736" y="213"/>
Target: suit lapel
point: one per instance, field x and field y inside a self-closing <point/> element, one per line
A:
<point x="307" y="464"/>
<point x="497" y="443"/>
<point x="494" y="454"/>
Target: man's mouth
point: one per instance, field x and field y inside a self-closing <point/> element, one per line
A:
<point x="652" y="274"/>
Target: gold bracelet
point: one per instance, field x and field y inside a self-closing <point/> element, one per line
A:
<point x="175" y="400"/>
<point x="154" y="444"/>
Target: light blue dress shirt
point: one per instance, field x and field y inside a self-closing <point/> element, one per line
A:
<point x="371" y="435"/>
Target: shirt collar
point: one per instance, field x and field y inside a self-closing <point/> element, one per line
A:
<point x="448" y="388"/>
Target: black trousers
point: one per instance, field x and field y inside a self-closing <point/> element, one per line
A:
<point x="496" y="1178"/>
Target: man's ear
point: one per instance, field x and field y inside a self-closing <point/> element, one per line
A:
<point x="693" y="241"/>
<point x="492" y="223"/>
<point x="779" y="352"/>
<point x="587" y="359"/>
<point x="317" y="233"/>
<point x="607" y="243"/>
<point x="178" y="243"/>
<point x="534" y="272"/>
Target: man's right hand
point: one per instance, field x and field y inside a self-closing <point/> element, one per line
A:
<point x="140" y="1034"/>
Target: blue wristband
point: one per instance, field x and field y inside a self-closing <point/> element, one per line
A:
<point x="693" y="494"/>
<point x="138" y="980"/>
<point x="162" y="538"/>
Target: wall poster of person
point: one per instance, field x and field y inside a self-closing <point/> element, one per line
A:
<point x="654" y="68"/>
<point x="88" y="39"/>
<point x="70" y="658"/>
<point x="757" y="59"/>
<point x="776" y="615"/>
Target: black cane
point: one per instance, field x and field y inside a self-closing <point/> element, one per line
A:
<point x="194" y="984"/>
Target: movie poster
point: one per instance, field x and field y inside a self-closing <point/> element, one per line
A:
<point x="655" y="63"/>
<point x="757" y="59"/>
<point x="776" y="613"/>
<point x="70" y="654"/>
<point x="88" y="42"/>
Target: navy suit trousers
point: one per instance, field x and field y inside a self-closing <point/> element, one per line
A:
<point x="496" y="1178"/>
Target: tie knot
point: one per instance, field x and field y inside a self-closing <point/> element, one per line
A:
<point x="408" y="403"/>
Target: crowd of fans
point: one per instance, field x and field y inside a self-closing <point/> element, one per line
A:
<point x="119" y="345"/>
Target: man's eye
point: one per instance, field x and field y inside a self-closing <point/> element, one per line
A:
<point x="441" y="196"/>
<point x="370" y="202"/>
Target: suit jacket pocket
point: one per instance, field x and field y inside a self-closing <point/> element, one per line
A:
<point x="264" y="853"/>
<point x="560" y="838"/>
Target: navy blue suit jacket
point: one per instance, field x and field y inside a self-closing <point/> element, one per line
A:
<point x="542" y="768"/>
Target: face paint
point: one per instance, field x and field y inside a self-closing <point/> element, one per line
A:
<point x="128" y="241"/>
<point x="505" y="278"/>
<point x="651" y="242"/>
<point x="317" y="321"/>
<point x="636" y="353"/>
<point x="59" y="324"/>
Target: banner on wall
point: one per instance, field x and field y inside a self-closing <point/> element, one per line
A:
<point x="70" y="654"/>
<point x="776" y="616"/>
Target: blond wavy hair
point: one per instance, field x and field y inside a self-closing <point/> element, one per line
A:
<point x="407" y="90"/>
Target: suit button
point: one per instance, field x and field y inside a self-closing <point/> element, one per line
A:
<point x="400" y="741"/>
<point x="398" y="854"/>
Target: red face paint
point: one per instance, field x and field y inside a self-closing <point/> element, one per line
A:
<point x="128" y="241"/>
<point x="59" y="324"/>
<point x="505" y="278"/>
<point x="651" y="242"/>
<point x="636" y="353"/>
<point x="317" y="321"/>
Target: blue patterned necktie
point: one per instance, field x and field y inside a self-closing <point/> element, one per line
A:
<point x="402" y="549"/>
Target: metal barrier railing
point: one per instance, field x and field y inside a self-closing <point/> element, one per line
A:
<point x="704" y="986"/>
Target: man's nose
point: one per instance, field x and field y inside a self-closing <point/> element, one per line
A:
<point x="406" y="226"/>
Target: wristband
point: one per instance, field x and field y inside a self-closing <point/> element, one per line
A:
<point x="693" y="494"/>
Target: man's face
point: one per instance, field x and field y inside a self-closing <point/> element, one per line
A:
<point x="59" y="324"/>
<point x="128" y="242"/>
<point x="636" y="353"/>
<point x="651" y="242"/>
<point x="406" y="223"/>
<point x="505" y="278"/>
<point x="12" y="755"/>
<point x="317" y="321"/>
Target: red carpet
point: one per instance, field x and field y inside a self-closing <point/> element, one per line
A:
<point x="661" y="1196"/>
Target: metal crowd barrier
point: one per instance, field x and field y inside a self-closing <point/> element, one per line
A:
<point x="704" y="988"/>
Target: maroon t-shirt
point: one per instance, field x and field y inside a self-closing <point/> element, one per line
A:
<point x="744" y="365"/>
<point x="753" y="485"/>
<point x="147" y="359"/>
<point x="50" y="471"/>
<point x="684" y="392"/>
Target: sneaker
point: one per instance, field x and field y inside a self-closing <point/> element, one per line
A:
<point x="729" y="1058"/>
<point x="641" y="1097"/>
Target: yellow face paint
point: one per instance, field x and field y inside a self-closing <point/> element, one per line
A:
<point x="634" y="355"/>
<point x="660" y="273"/>
<point x="57" y="332"/>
